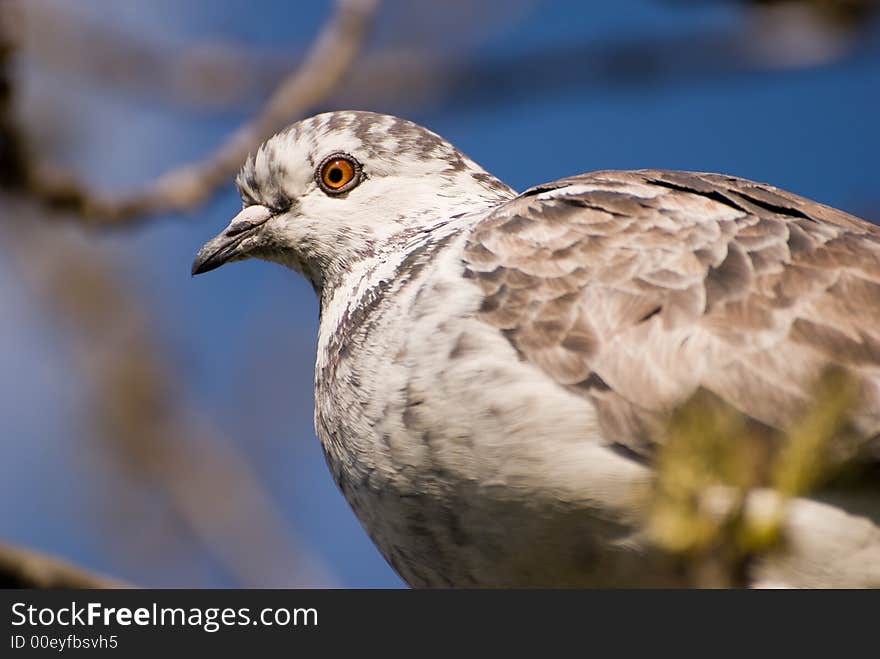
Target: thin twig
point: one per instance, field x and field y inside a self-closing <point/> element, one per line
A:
<point x="26" y="568"/>
<point x="184" y="188"/>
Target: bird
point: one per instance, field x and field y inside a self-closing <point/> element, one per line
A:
<point x="491" y="364"/>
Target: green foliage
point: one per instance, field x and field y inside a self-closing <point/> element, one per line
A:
<point x="723" y="479"/>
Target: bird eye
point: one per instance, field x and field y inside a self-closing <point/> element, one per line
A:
<point x="338" y="173"/>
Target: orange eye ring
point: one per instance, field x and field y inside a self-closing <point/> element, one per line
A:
<point x="338" y="173"/>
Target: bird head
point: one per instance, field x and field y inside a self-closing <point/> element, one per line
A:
<point x="343" y="186"/>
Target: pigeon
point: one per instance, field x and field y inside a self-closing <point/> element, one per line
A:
<point x="490" y="365"/>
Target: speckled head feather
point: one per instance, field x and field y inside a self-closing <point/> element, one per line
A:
<point x="384" y="144"/>
<point x="410" y="179"/>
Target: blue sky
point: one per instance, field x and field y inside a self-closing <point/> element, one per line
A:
<point x="243" y="337"/>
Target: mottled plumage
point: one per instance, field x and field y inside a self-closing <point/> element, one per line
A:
<point x="633" y="289"/>
<point x="492" y="368"/>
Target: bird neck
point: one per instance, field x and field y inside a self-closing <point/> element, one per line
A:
<point x="370" y="251"/>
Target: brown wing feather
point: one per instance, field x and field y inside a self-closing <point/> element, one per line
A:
<point x="637" y="288"/>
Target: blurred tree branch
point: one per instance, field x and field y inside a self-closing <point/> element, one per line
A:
<point x="183" y="188"/>
<point x="834" y="13"/>
<point x="26" y="568"/>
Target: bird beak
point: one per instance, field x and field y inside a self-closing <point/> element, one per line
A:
<point x="228" y="245"/>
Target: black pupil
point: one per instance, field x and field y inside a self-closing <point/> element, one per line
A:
<point x="335" y="175"/>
